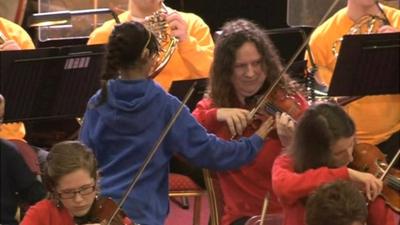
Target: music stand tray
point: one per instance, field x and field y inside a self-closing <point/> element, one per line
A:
<point x="367" y="65"/>
<point x="49" y="83"/>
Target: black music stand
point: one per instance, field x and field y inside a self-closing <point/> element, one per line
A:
<point x="49" y="83"/>
<point x="367" y="65"/>
<point x="179" y="89"/>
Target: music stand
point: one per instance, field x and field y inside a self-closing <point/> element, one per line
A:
<point x="367" y="65"/>
<point x="179" y="89"/>
<point x="49" y="83"/>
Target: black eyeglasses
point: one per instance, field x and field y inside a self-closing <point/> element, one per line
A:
<point x="85" y="190"/>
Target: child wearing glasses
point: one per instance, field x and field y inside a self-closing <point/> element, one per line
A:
<point x="70" y="176"/>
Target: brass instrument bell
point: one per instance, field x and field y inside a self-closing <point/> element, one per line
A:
<point x="157" y="24"/>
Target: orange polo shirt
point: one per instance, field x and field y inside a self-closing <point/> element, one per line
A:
<point x="376" y="117"/>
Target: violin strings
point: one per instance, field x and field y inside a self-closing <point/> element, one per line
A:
<point x="271" y="108"/>
<point x="393" y="182"/>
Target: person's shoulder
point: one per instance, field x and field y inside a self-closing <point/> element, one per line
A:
<point x="331" y="21"/>
<point x="8" y="23"/>
<point x="101" y="34"/>
<point x="391" y="12"/>
<point x="4" y="144"/>
<point x="94" y="100"/>
<point x="284" y="158"/>
<point x="42" y="211"/>
<point x="42" y="207"/>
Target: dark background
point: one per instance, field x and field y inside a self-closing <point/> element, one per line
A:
<point x="268" y="13"/>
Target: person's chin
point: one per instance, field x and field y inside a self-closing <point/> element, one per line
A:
<point x="249" y="93"/>
<point x="81" y="211"/>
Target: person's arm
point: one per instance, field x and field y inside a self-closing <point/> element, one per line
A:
<point x="197" y="49"/>
<point x="379" y="213"/>
<point x="290" y="186"/>
<point x="212" y="118"/>
<point x="191" y="140"/>
<point x="206" y="114"/>
<point x="29" y="188"/>
<point x="35" y="216"/>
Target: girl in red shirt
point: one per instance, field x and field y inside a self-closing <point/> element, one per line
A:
<point x="321" y="150"/>
<point x="71" y="178"/>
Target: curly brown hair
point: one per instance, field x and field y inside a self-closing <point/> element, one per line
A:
<point x="337" y="203"/>
<point x="234" y="34"/>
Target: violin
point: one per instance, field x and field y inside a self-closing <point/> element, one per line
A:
<point x="369" y="159"/>
<point x="101" y="212"/>
<point x="280" y="101"/>
<point x="283" y="101"/>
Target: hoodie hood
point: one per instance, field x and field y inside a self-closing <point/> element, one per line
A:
<point x="128" y="102"/>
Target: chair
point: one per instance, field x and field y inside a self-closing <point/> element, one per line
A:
<point x="183" y="186"/>
<point x="215" y="198"/>
<point x="216" y="203"/>
<point x="270" y="219"/>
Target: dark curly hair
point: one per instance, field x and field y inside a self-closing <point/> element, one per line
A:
<point x="125" y="49"/>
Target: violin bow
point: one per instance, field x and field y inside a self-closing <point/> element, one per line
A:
<point x="264" y="98"/>
<point x="395" y="158"/>
<point x="385" y="19"/>
<point x="152" y="152"/>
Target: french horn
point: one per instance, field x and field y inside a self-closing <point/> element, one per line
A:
<point x="157" y="24"/>
<point x="369" y="24"/>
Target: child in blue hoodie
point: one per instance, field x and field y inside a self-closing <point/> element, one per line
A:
<point x="126" y="117"/>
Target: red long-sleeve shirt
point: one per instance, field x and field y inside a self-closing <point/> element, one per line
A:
<point x="291" y="188"/>
<point x="243" y="189"/>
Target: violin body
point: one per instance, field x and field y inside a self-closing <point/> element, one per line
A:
<point x="287" y="102"/>
<point x="368" y="158"/>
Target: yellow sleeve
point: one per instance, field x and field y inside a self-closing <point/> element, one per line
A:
<point x="101" y="34"/>
<point x="197" y="50"/>
<point x="13" y="31"/>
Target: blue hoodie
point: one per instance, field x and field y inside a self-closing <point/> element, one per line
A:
<point x="122" y="131"/>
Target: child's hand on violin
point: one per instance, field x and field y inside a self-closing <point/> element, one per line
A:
<point x="236" y="119"/>
<point x="371" y="185"/>
<point x="265" y="128"/>
<point x="285" y="128"/>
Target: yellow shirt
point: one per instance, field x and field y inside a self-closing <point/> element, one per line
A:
<point x="376" y="117"/>
<point x="192" y="58"/>
<point x="14" y="32"/>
